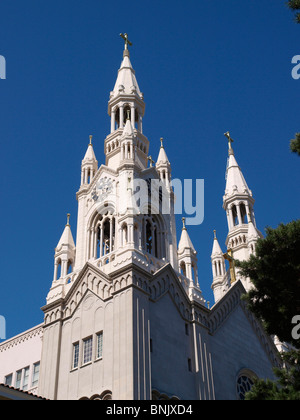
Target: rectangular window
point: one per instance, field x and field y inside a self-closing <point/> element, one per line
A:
<point x="36" y="374"/>
<point x="18" y="379"/>
<point x="99" y="352"/>
<point x="87" y="350"/>
<point x="8" y="380"/>
<point x="75" y="355"/>
<point x="26" y="379"/>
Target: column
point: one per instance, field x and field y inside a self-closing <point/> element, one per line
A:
<point x="101" y="241"/>
<point x="132" y="116"/>
<point x="121" y="116"/>
<point x="131" y="151"/>
<point x="230" y="219"/>
<point x="113" y="121"/>
<point x="55" y="270"/>
<point x="111" y="235"/>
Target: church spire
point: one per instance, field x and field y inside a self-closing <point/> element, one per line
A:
<point x="89" y="165"/>
<point x="64" y="252"/>
<point x="218" y="269"/>
<point x="163" y="165"/>
<point x="187" y="256"/>
<point x="126" y="103"/>
<point x="238" y="202"/>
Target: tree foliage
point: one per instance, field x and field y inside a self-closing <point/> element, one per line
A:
<point x="287" y="386"/>
<point x="295" y="144"/>
<point x="275" y="274"/>
<point x="275" y="300"/>
<point x="295" y="6"/>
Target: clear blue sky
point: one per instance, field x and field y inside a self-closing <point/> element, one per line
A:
<point x="204" y="67"/>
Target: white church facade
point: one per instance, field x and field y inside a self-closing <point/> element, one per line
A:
<point x="125" y="318"/>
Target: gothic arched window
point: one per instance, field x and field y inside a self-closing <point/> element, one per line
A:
<point x="183" y="268"/>
<point x="243" y="213"/>
<point x="235" y="218"/>
<point x="153" y="241"/>
<point x="102" y="239"/>
<point x="245" y="382"/>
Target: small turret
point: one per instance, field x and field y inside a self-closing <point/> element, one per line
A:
<point x="218" y="269"/>
<point x="163" y="165"/>
<point x="89" y="165"/>
<point x="187" y="257"/>
<point x="64" y="258"/>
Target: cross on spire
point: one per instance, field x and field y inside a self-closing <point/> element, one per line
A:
<point x="68" y="219"/>
<point x="230" y="141"/>
<point x="152" y="162"/>
<point x="127" y="42"/>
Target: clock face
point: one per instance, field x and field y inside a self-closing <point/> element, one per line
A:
<point x="102" y="190"/>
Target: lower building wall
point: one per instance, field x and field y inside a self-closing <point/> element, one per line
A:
<point x="236" y="348"/>
<point x="20" y="352"/>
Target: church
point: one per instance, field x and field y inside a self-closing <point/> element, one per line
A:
<point x="125" y="318"/>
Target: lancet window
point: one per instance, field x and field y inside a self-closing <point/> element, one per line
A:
<point x="102" y="236"/>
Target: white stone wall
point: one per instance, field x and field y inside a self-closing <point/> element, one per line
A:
<point x="21" y="352"/>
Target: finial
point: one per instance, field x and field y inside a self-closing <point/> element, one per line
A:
<point x="208" y="305"/>
<point x="91" y="138"/>
<point x="184" y="225"/>
<point x="127" y="42"/>
<point x="162" y="142"/>
<point x="230" y="141"/>
<point x="215" y="234"/>
<point x="68" y="219"/>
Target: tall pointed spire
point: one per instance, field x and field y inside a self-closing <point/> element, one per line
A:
<point x="217" y="251"/>
<point x="185" y="241"/>
<point x="235" y="181"/>
<point x="162" y="157"/>
<point x="126" y="81"/>
<point x="67" y="237"/>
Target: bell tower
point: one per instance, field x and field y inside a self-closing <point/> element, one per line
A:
<point x="126" y="143"/>
<point x="238" y="202"/>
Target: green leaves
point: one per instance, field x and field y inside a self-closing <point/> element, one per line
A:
<point x="295" y="5"/>
<point x="275" y="273"/>
<point x="295" y="143"/>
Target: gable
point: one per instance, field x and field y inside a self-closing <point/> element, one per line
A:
<point x="90" y="279"/>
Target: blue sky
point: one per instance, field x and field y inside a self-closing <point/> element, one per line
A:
<point x="204" y="67"/>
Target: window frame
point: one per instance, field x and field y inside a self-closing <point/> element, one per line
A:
<point x="87" y="351"/>
<point x="99" y="345"/>
<point x="75" y="351"/>
<point x="35" y="373"/>
<point x="25" y="378"/>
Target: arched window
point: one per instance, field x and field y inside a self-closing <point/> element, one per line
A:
<point x="183" y="268"/>
<point x="245" y="382"/>
<point x="235" y="218"/>
<point x="70" y="267"/>
<point x="58" y="269"/>
<point x="124" y="234"/>
<point x="149" y="237"/>
<point x="102" y="239"/>
<point x="243" y="213"/>
<point x="153" y="236"/>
